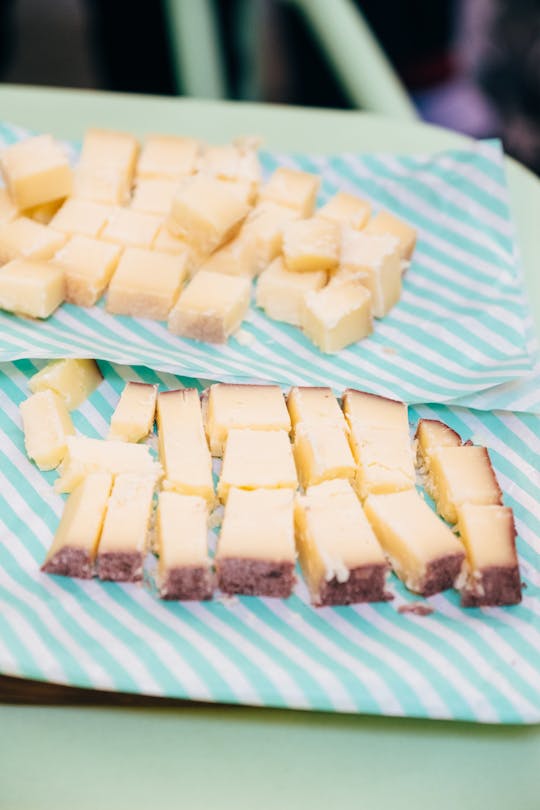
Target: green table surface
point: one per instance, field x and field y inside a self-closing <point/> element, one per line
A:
<point x="111" y="758"/>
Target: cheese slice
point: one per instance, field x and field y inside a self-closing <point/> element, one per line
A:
<point x="385" y="223"/>
<point x="321" y="452"/>
<point x="346" y="209"/>
<point x="133" y="417"/>
<point x="311" y="244"/>
<point x="46" y="425"/>
<point x="73" y="379"/>
<point x="36" y="170"/>
<point x="25" y="239"/>
<point x="31" y="288"/>
<point x="281" y="293"/>
<point x="292" y="188"/>
<point x="314" y="405"/>
<point x="255" y="459"/>
<point x="337" y="315"/>
<point x="431" y="434"/>
<point x="211" y="307"/>
<point x="375" y="261"/>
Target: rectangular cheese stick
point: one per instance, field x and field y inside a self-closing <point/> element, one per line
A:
<point x="431" y="434"/>
<point x="182" y="545"/>
<point x="183" y="449"/>
<point x="133" y="417"/>
<point x="124" y="538"/>
<point x="73" y="550"/>
<point x="322" y="452"/>
<point x="340" y="556"/>
<point x="46" y="424"/>
<point x="314" y="405"/>
<point x="423" y="551"/>
<point x="492" y="570"/>
<point x="257" y="458"/>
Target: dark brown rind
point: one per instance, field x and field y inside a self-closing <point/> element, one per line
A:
<point x="120" y="566"/>
<point x="193" y="582"/>
<point x="496" y="585"/>
<point x="416" y="608"/>
<point x="441" y="574"/>
<point x="365" y="584"/>
<point x="255" y="577"/>
<point x="70" y="562"/>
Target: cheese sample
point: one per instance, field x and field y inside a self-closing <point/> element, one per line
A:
<point x="256" y="459"/>
<point x="146" y="284"/>
<point x="311" y="244"/>
<point x="165" y="242"/>
<point x="211" y="307"/>
<point x="81" y="216"/>
<point x="321" y="452"/>
<point x="337" y="315"/>
<point x="232" y="162"/>
<point x="375" y="261"/>
<point x="73" y="379"/>
<point x="8" y="209"/>
<point x="35" y="171"/>
<point x="374" y="411"/>
<point x="107" y="147"/>
<point x="25" y="239"/>
<point x="205" y="212"/>
<point x="263" y="232"/>
<point x="131" y="228"/>
<point x="183" y="449"/>
<point x="182" y="545"/>
<point x="124" y="537"/>
<point x="314" y="405"/>
<point x="281" y="293"/>
<point x="31" y="288"/>
<point x="425" y="554"/>
<point x="255" y="552"/>
<point x="46" y="424"/>
<point x="459" y="475"/>
<point x="292" y="188"/>
<point x="154" y="196"/>
<point x="106" y="184"/>
<point x="84" y="455"/>
<point x="257" y="407"/>
<point x="340" y="556"/>
<point x="88" y="265"/>
<point x="236" y="258"/>
<point x="346" y="209"/>
<point x="431" y="434"/>
<point x="168" y="156"/>
<point x="133" y="417"/>
<point x="384" y="223"/>
<point x="492" y="571"/>
<point x="73" y="550"/>
<point x="45" y="212"/>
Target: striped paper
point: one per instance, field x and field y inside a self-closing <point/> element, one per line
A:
<point x="480" y="664"/>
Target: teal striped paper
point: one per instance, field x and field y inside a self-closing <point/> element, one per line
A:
<point x="478" y="664"/>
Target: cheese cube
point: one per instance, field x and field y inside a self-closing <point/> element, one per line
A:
<point x="107" y="147"/>
<point x="375" y="262"/>
<point x="45" y="212"/>
<point x="431" y="434"/>
<point x="154" y="196"/>
<point x="73" y="380"/>
<point x="281" y="293"/>
<point x="211" y="307"/>
<point x="293" y="188"/>
<point x="314" y="406"/>
<point x="311" y="244"/>
<point x="73" y="550"/>
<point x="46" y="424"/>
<point x="146" y="284"/>
<point x="81" y="216"/>
<point x="205" y="212"/>
<point x="256" y="459"/>
<point x="31" y="288"/>
<point x="321" y="452"/>
<point x="340" y="556"/>
<point x="88" y="265"/>
<point x="337" y="315"/>
<point x="133" y="417"/>
<point x="168" y="156"/>
<point x="231" y="162"/>
<point x="131" y="228"/>
<point x="236" y="258"/>
<point x="25" y="239"/>
<point x="263" y="229"/>
<point x="386" y="224"/>
<point x="36" y="171"/>
<point x="346" y="209"/>
<point x="166" y="242"/>
<point x="369" y="411"/>
<point x="257" y="407"/>
<point x="8" y="209"/>
<point x="384" y="458"/>
<point x="105" y="184"/>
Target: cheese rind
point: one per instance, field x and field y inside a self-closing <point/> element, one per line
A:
<point x="35" y="170"/>
<point x="73" y="550"/>
<point x="256" y="459"/>
<point x="146" y="284"/>
<point x="346" y="209"/>
<point x="311" y="244"/>
<point x="25" y="239"/>
<point x="211" y="307"/>
<point x="81" y="216"/>
<point x="337" y="315"/>
<point x="314" y="405"/>
<point x="73" y="379"/>
<point x="431" y="434"/>
<point x="46" y="424"/>
<point x="321" y="452"/>
<point x="133" y="417"/>
<point x="281" y="293"/>
<point x="168" y="156"/>
<point x="385" y="223"/>
<point x="88" y="266"/>
<point x="423" y="551"/>
<point x="293" y="188"/>
<point x="31" y="288"/>
<point x="374" y="261"/>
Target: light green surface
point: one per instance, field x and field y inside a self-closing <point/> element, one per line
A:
<point x="234" y="758"/>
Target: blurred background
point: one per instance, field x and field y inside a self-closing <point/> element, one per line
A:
<point x="470" y="65"/>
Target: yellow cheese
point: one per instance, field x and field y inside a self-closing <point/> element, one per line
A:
<point x="82" y="217"/>
<point x="281" y="293"/>
<point x="257" y="407"/>
<point x="314" y="406"/>
<point x="337" y="315"/>
<point x="211" y="307"/>
<point x="231" y="162"/>
<point x="131" y="228"/>
<point x="85" y="455"/>
<point x="8" y="209"/>
<point x="25" y="239"/>
<point x="73" y="379"/>
<point x="256" y="459"/>
<point x="73" y="550"/>
<point x="168" y="156"/>
<point x="43" y="213"/>
<point x="88" y="265"/>
<point x="423" y="551"/>
<point x="106" y="184"/>
<point x="311" y="244"/>
<point x="384" y="223"/>
<point x="36" y="171"/>
<point x="373" y="411"/>
<point x="292" y="188"/>
<point x="183" y="450"/>
<point x="107" y="147"/>
<point x="346" y="209"/>
<point x="236" y="258"/>
<point x="133" y="417"/>
<point x="459" y="475"/>
<point x="31" y="288"/>
<point x="321" y="452"/>
<point x="431" y="434"/>
<point x="154" y="195"/>
<point x="263" y="231"/>
<point x="146" y="283"/>
<point x="46" y="424"/>
<point x="124" y="538"/>
<point x="375" y="261"/>
<point x="340" y="556"/>
<point x="165" y="242"/>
